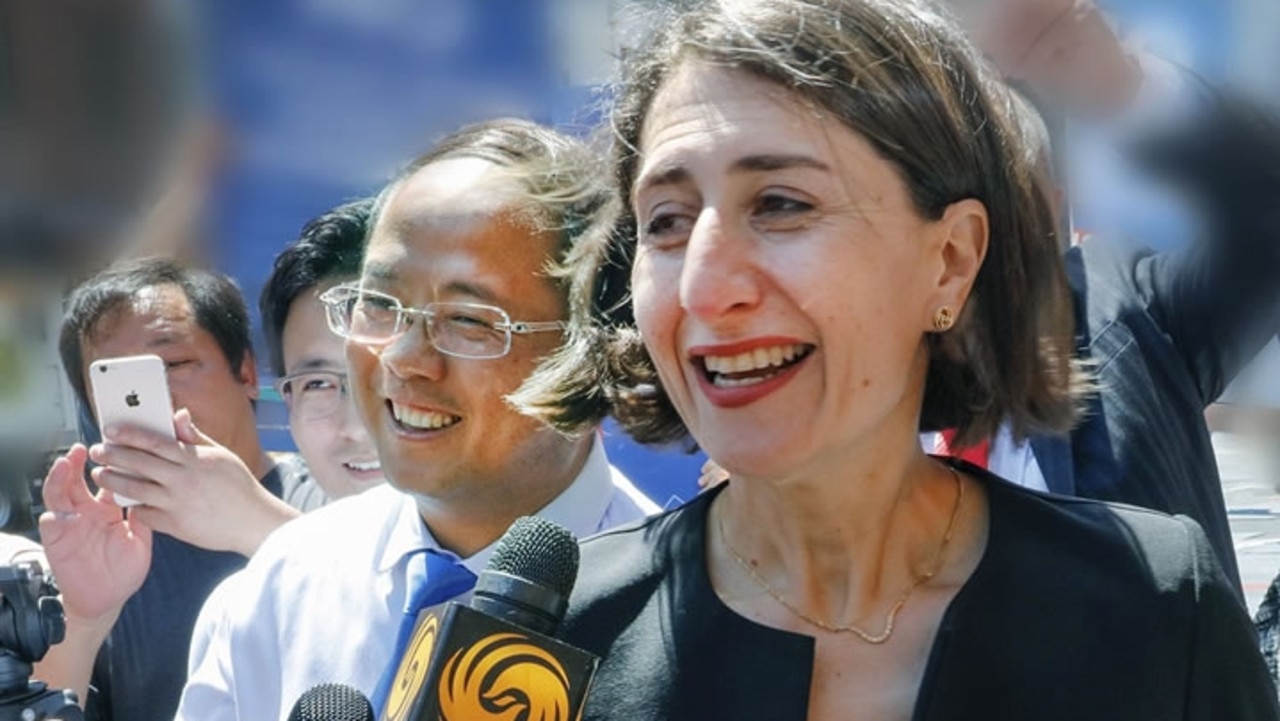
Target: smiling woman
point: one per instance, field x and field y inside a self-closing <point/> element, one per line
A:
<point x="832" y="241"/>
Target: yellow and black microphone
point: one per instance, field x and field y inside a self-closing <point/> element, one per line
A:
<point x="497" y="658"/>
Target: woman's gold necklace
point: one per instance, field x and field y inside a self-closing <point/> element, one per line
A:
<point x="873" y="638"/>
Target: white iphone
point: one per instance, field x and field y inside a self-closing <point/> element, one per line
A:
<point x="132" y="391"/>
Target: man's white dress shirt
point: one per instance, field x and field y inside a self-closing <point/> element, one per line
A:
<point x="322" y="599"/>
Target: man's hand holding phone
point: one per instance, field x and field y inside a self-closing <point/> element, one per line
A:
<point x="188" y="486"/>
<point x="176" y="479"/>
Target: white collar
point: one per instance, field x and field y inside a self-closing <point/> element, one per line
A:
<point x="578" y="508"/>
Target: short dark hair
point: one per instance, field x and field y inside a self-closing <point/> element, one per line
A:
<point x="328" y="248"/>
<point x="902" y="75"/>
<point x="215" y="300"/>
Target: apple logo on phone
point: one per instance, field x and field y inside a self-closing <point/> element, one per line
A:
<point x="131" y="400"/>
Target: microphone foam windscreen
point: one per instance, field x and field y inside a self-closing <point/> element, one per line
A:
<point x="540" y="551"/>
<point x="332" y="702"/>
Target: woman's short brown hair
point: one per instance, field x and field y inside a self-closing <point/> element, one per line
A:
<point x="902" y="75"/>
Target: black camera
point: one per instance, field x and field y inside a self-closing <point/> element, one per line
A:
<point x="31" y="620"/>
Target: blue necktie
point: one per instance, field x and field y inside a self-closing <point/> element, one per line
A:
<point x="437" y="580"/>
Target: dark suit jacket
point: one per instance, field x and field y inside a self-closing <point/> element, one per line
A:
<point x="1166" y="332"/>
<point x="1078" y="610"/>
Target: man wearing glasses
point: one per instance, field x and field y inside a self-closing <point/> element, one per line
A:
<point x="452" y="314"/>
<point x="309" y="361"/>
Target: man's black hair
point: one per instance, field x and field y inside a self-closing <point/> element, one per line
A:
<point x="330" y="246"/>
<point x="216" y="302"/>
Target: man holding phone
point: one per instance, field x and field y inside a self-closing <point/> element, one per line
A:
<point x="214" y="486"/>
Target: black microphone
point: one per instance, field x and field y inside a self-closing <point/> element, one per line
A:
<point x="332" y="702"/>
<point x="497" y="657"/>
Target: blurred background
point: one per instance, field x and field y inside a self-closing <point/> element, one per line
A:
<point x="216" y="128"/>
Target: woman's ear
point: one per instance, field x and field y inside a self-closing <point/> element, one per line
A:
<point x="961" y="246"/>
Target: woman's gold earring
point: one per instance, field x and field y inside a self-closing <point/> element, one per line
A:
<point x="944" y="319"/>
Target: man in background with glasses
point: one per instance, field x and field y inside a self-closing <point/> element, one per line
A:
<point x="308" y="358"/>
<point x="453" y="312"/>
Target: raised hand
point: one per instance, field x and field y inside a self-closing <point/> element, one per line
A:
<point x="1063" y="49"/>
<point x="98" y="558"/>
